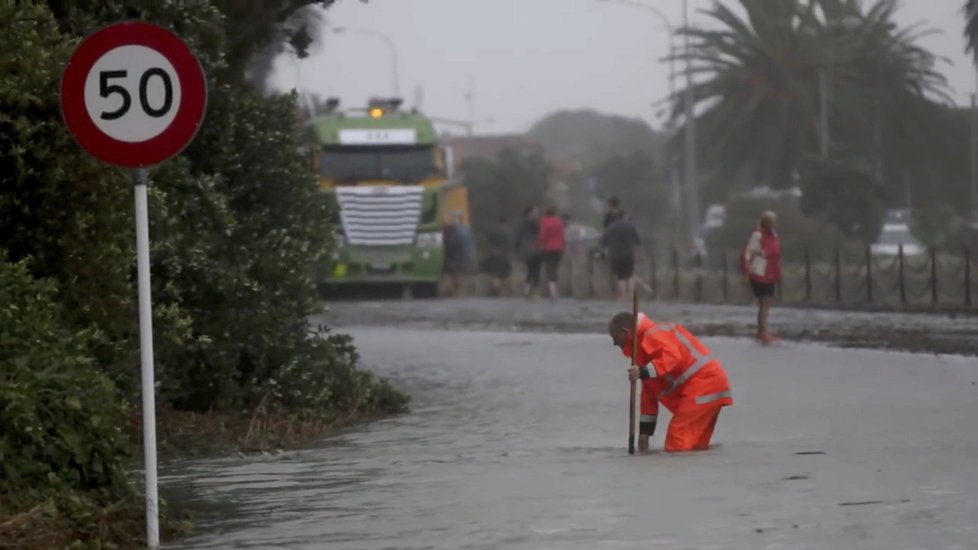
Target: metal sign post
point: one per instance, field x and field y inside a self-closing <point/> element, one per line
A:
<point x="139" y="179"/>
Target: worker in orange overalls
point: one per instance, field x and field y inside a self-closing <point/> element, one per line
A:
<point x="676" y="369"/>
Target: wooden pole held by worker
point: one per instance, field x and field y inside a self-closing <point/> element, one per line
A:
<point x="631" y="388"/>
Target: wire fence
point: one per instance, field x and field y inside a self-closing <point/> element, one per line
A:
<point x="936" y="279"/>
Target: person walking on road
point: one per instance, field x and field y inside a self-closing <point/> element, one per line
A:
<point x="677" y="370"/>
<point x="551" y="244"/>
<point x="621" y="240"/>
<point x="454" y="258"/>
<point x="613" y="212"/>
<point x="526" y="248"/>
<point x="497" y="264"/>
<point x="760" y="264"/>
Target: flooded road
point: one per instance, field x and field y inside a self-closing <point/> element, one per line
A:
<point x="518" y="441"/>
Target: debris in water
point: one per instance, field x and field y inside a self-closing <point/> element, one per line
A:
<point x="862" y="502"/>
<point x="865" y="502"/>
<point x="810" y="453"/>
<point x="794" y="477"/>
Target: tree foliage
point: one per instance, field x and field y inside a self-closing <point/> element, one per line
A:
<point x="237" y="223"/>
<point x="971" y="27"/>
<point x="589" y="137"/>
<point x="505" y="186"/>
<point x="760" y="91"/>
<point x="635" y="179"/>
<point x="62" y="426"/>
<point x="848" y="198"/>
<point x="796" y="231"/>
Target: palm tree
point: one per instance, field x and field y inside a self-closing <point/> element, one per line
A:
<point x="761" y="97"/>
<point x="886" y="87"/>
<point x="971" y="27"/>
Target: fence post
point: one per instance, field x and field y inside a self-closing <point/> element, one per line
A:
<point x="869" y="274"/>
<point x="967" y="276"/>
<point x="900" y="279"/>
<point x="838" y="275"/>
<point x="675" y="272"/>
<point x="698" y="263"/>
<point x="808" y="276"/>
<point x="726" y="291"/>
<point x="590" y="275"/>
<point x="933" y="276"/>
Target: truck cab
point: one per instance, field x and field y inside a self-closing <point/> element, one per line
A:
<point x="388" y="176"/>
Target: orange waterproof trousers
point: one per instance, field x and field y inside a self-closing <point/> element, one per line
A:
<point x="691" y="430"/>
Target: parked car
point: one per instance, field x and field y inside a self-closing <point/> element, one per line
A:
<point x="581" y="238"/>
<point x="896" y="231"/>
<point x="716" y="214"/>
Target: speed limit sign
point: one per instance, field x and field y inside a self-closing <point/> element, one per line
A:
<point x="133" y="94"/>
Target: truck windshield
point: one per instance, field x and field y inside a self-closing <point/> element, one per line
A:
<point x="404" y="164"/>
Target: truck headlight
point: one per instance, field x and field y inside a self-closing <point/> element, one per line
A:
<point x="429" y="240"/>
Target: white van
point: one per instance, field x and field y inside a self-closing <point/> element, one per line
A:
<point x="896" y="231"/>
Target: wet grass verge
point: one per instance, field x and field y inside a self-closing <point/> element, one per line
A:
<point x="81" y="520"/>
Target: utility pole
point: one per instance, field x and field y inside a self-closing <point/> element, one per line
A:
<point x="672" y="174"/>
<point x="470" y="100"/>
<point x="877" y="128"/>
<point x="974" y="160"/>
<point x="823" y="126"/>
<point x="692" y="181"/>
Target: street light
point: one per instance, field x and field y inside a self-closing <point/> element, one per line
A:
<point x="690" y="179"/>
<point x="395" y="79"/>
<point x="671" y="34"/>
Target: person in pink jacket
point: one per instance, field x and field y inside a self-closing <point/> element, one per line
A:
<point x="760" y="263"/>
<point x="551" y="245"/>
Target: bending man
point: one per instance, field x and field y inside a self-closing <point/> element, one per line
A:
<point x="678" y="371"/>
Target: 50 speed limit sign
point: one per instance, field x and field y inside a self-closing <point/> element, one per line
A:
<point x="133" y="94"/>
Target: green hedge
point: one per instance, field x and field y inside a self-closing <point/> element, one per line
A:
<point x="62" y="424"/>
<point x="237" y="222"/>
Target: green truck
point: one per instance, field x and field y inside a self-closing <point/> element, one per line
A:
<point x="390" y="178"/>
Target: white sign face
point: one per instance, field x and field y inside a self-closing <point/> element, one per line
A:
<point x="132" y="93"/>
<point x="397" y="136"/>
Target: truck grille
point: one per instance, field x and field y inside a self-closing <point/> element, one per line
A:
<point x="380" y="215"/>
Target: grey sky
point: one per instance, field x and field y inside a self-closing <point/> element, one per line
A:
<point x="527" y="58"/>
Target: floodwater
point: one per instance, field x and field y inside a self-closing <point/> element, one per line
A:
<point x="518" y="441"/>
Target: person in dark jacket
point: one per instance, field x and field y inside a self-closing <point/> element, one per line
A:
<point x="526" y="248"/>
<point x="453" y="261"/>
<point x="611" y="214"/>
<point x="621" y="241"/>
<point x="497" y="263"/>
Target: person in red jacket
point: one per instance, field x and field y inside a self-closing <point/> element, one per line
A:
<point x="677" y="371"/>
<point x="760" y="263"/>
<point x="551" y="245"/>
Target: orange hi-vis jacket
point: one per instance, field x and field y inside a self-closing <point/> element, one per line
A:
<point x="677" y="370"/>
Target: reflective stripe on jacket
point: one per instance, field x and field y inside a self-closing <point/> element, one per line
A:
<point x="682" y="373"/>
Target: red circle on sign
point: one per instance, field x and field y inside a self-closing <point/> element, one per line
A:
<point x="190" y="111"/>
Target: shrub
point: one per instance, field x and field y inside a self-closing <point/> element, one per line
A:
<point x="796" y="231"/>
<point x="62" y="424"/>
<point x="845" y="196"/>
